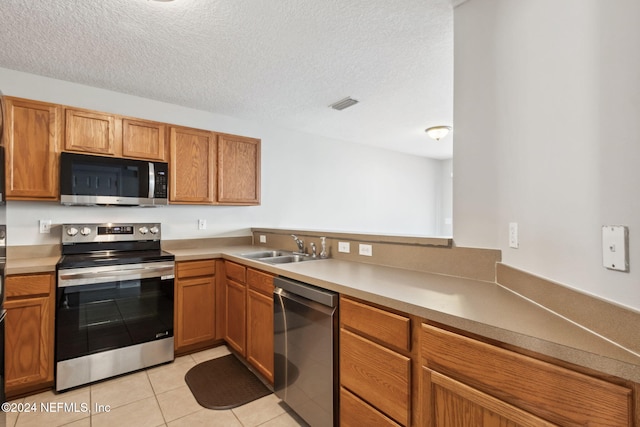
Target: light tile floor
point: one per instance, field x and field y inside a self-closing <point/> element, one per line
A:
<point x="154" y="397"/>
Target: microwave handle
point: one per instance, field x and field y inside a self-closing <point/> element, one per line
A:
<point x="152" y="180"/>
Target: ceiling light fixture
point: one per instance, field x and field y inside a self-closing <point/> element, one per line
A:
<point x="344" y="103"/>
<point x="438" y="132"/>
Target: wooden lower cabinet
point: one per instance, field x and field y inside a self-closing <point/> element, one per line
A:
<point x="375" y="368"/>
<point x="195" y="305"/>
<point x="260" y="322"/>
<point x="452" y="403"/>
<point x="29" y="332"/>
<point x="354" y="412"/>
<point x="249" y="316"/>
<point x="235" y="307"/>
<point x="467" y="382"/>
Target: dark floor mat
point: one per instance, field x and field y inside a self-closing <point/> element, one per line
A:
<point x="224" y="383"/>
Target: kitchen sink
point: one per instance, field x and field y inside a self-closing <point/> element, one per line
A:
<point x="285" y="259"/>
<point x="264" y="254"/>
<point x="277" y="257"/>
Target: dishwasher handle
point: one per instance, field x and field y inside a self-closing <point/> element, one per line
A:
<point x="314" y="293"/>
<point x="280" y="296"/>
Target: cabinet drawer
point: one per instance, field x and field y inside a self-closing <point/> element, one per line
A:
<point x="236" y="272"/>
<point x="196" y="268"/>
<point x="260" y="281"/>
<point x="554" y="393"/>
<point x="28" y="285"/>
<point x="356" y="413"/>
<point x="376" y="374"/>
<point x="392" y="329"/>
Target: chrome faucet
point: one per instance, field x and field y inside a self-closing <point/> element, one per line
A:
<point x="314" y="250"/>
<point x="300" y="244"/>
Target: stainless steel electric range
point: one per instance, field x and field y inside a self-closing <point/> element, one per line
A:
<point x="114" y="302"/>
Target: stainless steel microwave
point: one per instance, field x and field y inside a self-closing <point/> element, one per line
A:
<point x="98" y="180"/>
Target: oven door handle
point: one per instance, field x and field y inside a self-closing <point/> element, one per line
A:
<point x="91" y="277"/>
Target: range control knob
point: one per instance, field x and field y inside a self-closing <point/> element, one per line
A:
<point x="154" y="230"/>
<point x="72" y="231"/>
<point x="143" y="230"/>
<point x="85" y="231"/>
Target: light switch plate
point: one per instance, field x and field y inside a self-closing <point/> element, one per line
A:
<point x="344" y="247"/>
<point x="263" y="238"/>
<point x="615" y="247"/>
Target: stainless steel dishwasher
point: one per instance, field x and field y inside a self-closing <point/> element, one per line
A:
<point x="305" y="324"/>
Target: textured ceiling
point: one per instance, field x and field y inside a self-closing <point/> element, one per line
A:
<point x="280" y="61"/>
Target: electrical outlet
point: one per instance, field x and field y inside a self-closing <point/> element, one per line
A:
<point x="263" y="238"/>
<point x="344" y="247"/>
<point x="366" y="250"/>
<point x="513" y="235"/>
<point x="45" y="226"/>
<point x="202" y="224"/>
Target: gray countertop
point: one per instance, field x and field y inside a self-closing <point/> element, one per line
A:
<point x="484" y="308"/>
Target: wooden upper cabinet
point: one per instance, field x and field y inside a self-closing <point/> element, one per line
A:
<point x="90" y="132"/>
<point x="32" y="132"/>
<point x="239" y="170"/>
<point x="143" y="139"/>
<point x="192" y="167"/>
<point x="109" y="134"/>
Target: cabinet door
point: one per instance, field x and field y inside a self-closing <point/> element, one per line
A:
<point x="192" y="166"/>
<point x="260" y="332"/>
<point x="195" y="313"/>
<point x="143" y="140"/>
<point x="32" y="133"/>
<point x="29" y="330"/>
<point x="449" y="403"/>
<point x="90" y="132"/>
<point x="235" y="324"/>
<point x="239" y="174"/>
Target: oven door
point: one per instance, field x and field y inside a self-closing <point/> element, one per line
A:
<point x="105" y="308"/>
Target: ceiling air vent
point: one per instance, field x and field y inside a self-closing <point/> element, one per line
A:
<point x="343" y="103"/>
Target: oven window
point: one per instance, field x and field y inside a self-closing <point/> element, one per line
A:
<point x="106" y="316"/>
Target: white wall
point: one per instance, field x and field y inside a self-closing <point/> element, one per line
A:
<point x="307" y="181"/>
<point x="547" y="117"/>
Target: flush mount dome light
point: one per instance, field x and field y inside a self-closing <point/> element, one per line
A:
<point x="437" y="132"/>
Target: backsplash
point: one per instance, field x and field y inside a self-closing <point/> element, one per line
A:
<point x="429" y="254"/>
